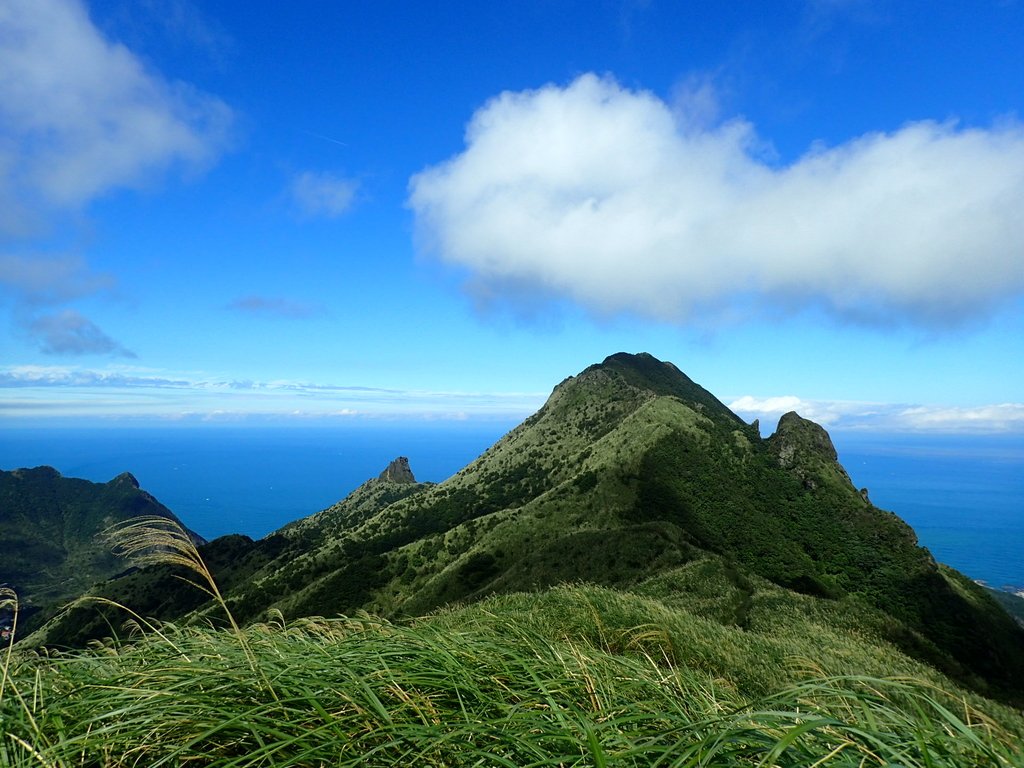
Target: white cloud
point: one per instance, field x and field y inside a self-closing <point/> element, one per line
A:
<point x="132" y="392"/>
<point x="602" y="194"/>
<point x="884" y="417"/>
<point x="323" y="194"/>
<point x="80" y="115"/>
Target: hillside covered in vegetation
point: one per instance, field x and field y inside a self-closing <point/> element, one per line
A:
<point x="631" y="577"/>
<point x="50" y="529"/>
<point x="631" y="477"/>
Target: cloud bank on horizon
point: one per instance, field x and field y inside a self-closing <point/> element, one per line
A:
<point x="1005" y="418"/>
<point x="323" y="194"/>
<point x="138" y="395"/>
<point x="625" y="203"/>
<point x="135" y="395"/>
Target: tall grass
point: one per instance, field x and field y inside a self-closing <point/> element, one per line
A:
<point x="8" y="602"/>
<point x="365" y="692"/>
<point x="362" y="692"/>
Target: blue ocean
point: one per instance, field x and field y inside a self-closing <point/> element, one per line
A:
<point x="252" y="480"/>
<point x="963" y="495"/>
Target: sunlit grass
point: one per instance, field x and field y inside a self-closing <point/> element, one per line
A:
<point x="489" y="685"/>
<point x="364" y="692"/>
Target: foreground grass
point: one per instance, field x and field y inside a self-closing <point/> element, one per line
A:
<point x="364" y="692"/>
<point x="573" y="676"/>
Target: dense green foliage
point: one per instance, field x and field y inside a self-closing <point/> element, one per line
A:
<point x="49" y="526"/>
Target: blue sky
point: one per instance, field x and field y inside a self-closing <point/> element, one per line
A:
<point x="306" y="211"/>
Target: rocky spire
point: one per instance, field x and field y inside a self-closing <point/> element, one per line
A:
<point x="398" y="472"/>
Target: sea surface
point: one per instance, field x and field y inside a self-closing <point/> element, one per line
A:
<point x="253" y="480"/>
<point x="963" y="495"/>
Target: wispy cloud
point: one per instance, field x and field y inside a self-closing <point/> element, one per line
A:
<point x="80" y="116"/>
<point x="323" y="194"/>
<point x="37" y="285"/>
<point x="609" y="197"/>
<point x="70" y="333"/>
<point x="43" y="279"/>
<point x="820" y="16"/>
<point x="272" y="306"/>
<point x="184" y="23"/>
<point x="130" y="392"/>
<point x="885" y="417"/>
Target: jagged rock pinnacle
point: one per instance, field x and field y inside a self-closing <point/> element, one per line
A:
<point x="398" y="472"/>
<point x="796" y="435"/>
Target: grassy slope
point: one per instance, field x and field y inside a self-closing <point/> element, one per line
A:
<point x="575" y="675"/>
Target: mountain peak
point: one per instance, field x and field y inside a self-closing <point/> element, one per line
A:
<point x="644" y="371"/>
<point x="398" y="471"/>
<point x="796" y="434"/>
<point x="126" y="477"/>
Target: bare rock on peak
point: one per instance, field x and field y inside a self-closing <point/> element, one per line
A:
<point x="398" y="471"/>
<point x="796" y="435"/>
<point x="805" y="448"/>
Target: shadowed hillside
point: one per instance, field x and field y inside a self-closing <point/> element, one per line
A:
<point x="50" y="527"/>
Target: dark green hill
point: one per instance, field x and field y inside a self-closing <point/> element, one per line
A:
<point x="631" y="473"/>
<point x="239" y="563"/>
<point x="49" y="526"/>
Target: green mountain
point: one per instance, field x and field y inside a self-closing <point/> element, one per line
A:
<point x="50" y="527"/>
<point x="631" y="477"/>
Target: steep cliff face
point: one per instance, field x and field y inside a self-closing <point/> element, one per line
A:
<point x="398" y="471"/>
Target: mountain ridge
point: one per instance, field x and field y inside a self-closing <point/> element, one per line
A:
<point x="629" y="473"/>
<point x="51" y="525"/>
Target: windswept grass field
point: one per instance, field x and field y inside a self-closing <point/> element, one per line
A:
<point x="467" y="688"/>
<point x="575" y="675"/>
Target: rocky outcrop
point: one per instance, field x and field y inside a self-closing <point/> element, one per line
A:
<point x="398" y="471"/>
<point x="805" y="448"/>
<point x="796" y="437"/>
